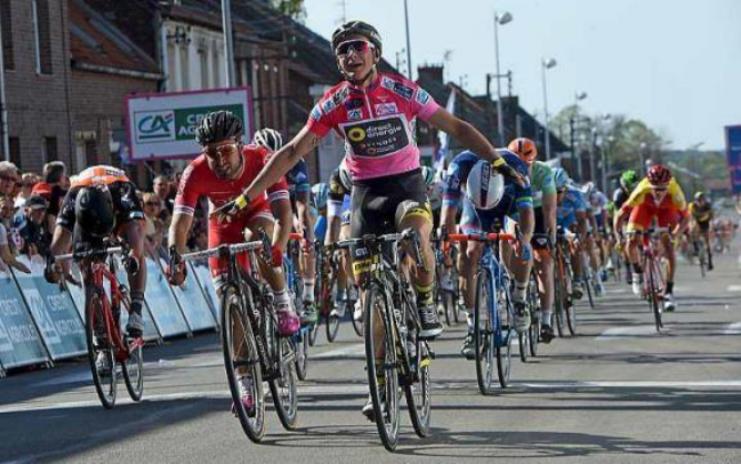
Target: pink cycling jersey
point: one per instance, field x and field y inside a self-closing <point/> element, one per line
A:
<point x="377" y="124"/>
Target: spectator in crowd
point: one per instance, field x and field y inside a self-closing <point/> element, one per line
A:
<point x="31" y="227"/>
<point x="7" y="248"/>
<point x="8" y="177"/>
<point x="153" y="226"/>
<point x="28" y="180"/>
<point x="53" y="189"/>
<point x="164" y="190"/>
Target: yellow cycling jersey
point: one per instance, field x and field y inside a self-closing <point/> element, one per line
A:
<point x="643" y="194"/>
<point x="701" y="213"/>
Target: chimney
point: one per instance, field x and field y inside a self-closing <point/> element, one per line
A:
<point x="431" y="72"/>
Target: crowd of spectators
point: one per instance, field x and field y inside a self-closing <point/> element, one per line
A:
<point x="30" y="202"/>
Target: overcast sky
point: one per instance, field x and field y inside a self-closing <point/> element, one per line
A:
<point x="676" y="64"/>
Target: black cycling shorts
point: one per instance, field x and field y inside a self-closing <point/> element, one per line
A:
<point x="126" y="204"/>
<point x="378" y="205"/>
<point x="704" y="226"/>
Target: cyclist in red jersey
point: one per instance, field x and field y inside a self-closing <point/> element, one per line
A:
<point x="375" y="113"/>
<point x="219" y="174"/>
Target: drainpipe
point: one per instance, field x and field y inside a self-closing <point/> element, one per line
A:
<point x="3" y="106"/>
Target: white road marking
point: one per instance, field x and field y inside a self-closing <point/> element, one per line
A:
<point x="357" y="349"/>
<point x="734" y="288"/>
<point x="617" y="290"/>
<point x="733" y="384"/>
<point x="624" y="332"/>
<point x="733" y="329"/>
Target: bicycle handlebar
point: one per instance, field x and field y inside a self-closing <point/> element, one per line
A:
<point x="89" y="254"/>
<point x="230" y="249"/>
<point x="490" y="237"/>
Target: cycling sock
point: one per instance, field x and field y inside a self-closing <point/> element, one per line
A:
<point x="670" y="287"/>
<point x="520" y="292"/>
<point x="424" y="294"/>
<point x="309" y="290"/>
<point x="547" y="317"/>
<point x="637" y="269"/>
<point x="137" y="302"/>
<point x="281" y="297"/>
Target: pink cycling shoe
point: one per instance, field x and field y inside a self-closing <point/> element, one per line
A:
<point x="288" y="320"/>
<point x="245" y="393"/>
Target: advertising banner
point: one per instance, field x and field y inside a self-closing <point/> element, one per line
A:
<point x="733" y="155"/>
<point x="20" y="343"/>
<point x="195" y="307"/>
<point x="162" y="125"/>
<point x="204" y="279"/>
<point x="162" y="303"/>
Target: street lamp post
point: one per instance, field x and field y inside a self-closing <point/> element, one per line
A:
<point x="502" y="19"/>
<point x="546" y="64"/>
<point x="409" y="43"/>
<point x="572" y="125"/>
<point x="641" y="152"/>
<point x="226" y="18"/>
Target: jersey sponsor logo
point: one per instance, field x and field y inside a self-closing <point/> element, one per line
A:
<point x="403" y="90"/>
<point x="387" y="83"/>
<point x="355" y="115"/>
<point x="383" y="109"/>
<point x="316" y="113"/>
<point x="378" y="137"/>
<point x="422" y="97"/>
<point x="328" y="106"/>
<point x="353" y="103"/>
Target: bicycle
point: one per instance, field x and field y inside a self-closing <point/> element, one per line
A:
<point x="563" y="278"/>
<point x="653" y="277"/>
<point x="446" y="295"/>
<point x="493" y="313"/>
<point x="247" y="318"/>
<point x="303" y="338"/>
<point x="102" y="321"/>
<point x="331" y="308"/>
<point x="698" y="245"/>
<point x="390" y="308"/>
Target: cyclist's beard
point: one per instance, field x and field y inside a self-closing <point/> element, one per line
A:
<point x="360" y="82"/>
<point x="227" y="172"/>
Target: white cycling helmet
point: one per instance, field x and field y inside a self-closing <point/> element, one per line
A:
<point x="484" y="187"/>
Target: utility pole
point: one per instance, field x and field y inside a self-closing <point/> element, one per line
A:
<point x="409" y="44"/>
<point x="226" y="19"/>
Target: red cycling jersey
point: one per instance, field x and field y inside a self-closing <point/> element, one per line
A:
<point x="200" y="181"/>
<point x="377" y="124"/>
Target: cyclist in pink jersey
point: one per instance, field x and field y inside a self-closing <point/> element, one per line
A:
<point x="374" y="112"/>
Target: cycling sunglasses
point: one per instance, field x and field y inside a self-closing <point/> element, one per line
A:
<point x="357" y="45"/>
<point x="659" y="188"/>
<point x="222" y="150"/>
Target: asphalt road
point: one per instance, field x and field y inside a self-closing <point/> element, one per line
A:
<point x="616" y="393"/>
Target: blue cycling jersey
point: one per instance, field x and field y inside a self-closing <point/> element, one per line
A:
<point x="573" y="202"/>
<point x="298" y="179"/>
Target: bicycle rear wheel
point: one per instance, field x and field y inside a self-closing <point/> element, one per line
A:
<point x="100" y="346"/>
<point x="301" y="342"/>
<point x="241" y="358"/>
<point x="330" y="306"/>
<point x="283" y="388"/>
<point x="417" y="378"/>
<point x="483" y="336"/>
<point x="559" y="303"/>
<point x="589" y="285"/>
<point x="383" y="379"/>
<point x="533" y="332"/>
<point x="702" y="258"/>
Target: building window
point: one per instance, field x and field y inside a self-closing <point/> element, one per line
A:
<point x="184" y="67"/>
<point x="50" y="149"/>
<point x="7" y="38"/>
<point x="15" y="150"/>
<point x="42" y="29"/>
<point x="91" y="152"/>
<point x="217" y="69"/>
<point x="203" y="64"/>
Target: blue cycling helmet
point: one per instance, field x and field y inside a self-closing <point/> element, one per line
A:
<point x="561" y="178"/>
<point x="320" y="192"/>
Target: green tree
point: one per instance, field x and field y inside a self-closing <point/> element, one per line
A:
<point x="293" y="8"/>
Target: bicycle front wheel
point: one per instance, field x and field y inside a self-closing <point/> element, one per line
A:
<point x="653" y="292"/>
<point x="330" y="305"/>
<point x="380" y="355"/>
<point x="133" y="368"/>
<point x="533" y="332"/>
<point x="100" y="350"/>
<point x="483" y="336"/>
<point x="242" y="360"/>
<point x="301" y="342"/>
<point x="503" y="335"/>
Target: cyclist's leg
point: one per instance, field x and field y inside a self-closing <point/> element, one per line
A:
<point x="544" y="273"/>
<point x="308" y="260"/>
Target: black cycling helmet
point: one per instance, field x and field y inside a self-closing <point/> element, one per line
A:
<point x="351" y="28"/>
<point x="218" y="126"/>
<point x="94" y="211"/>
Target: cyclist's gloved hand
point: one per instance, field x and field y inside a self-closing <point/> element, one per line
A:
<point x="176" y="271"/>
<point x="52" y="272"/>
<point x="276" y="256"/>
<point x="227" y="211"/>
<point x="523" y="250"/>
<point x="501" y="166"/>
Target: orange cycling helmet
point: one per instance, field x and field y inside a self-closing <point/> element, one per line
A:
<point x="658" y="174"/>
<point x="524" y="148"/>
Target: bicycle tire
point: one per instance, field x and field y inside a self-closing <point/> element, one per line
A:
<point x="653" y="294"/>
<point x="301" y="342"/>
<point x="504" y="350"/>
<point x="233" y="312"/>
<point x="701" y="258"/>
<point x="558" y="297"/>
<point x="417" y="387"/>
<point x="332" y="322"/>
<point x="483" y="336"/>
<point x="283" y="389"/>
<point x="133" y="367"/>
<point x="534" y="329"/>
<point x="357" y="324"/>
<point x="387" y="422"/>
<point x="105" y="387"/>
<point x="589" y="285"/>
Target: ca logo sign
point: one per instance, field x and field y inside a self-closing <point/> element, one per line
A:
<point x="155" y="126"/>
